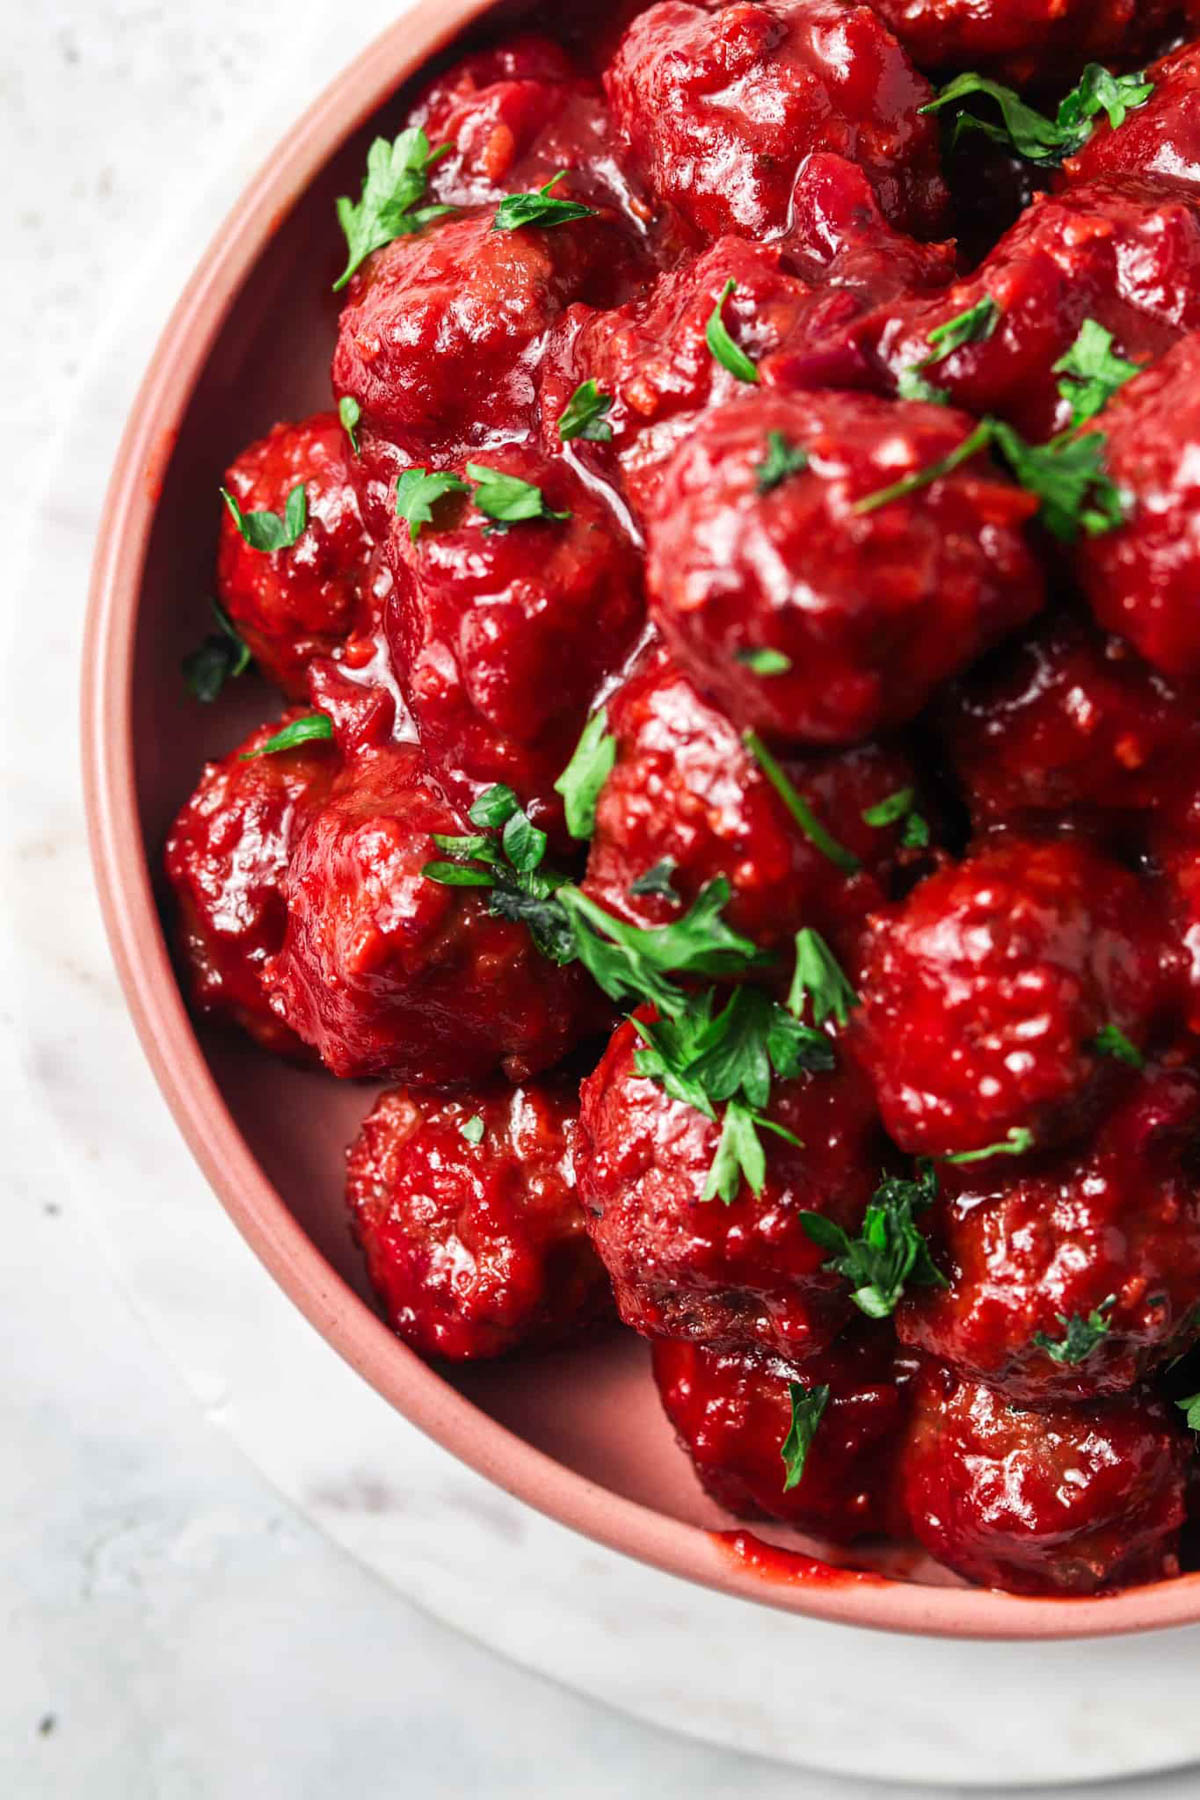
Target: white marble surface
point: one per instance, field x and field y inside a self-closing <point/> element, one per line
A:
<point x="172" y="1628"/>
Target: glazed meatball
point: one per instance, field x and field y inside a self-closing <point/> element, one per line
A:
<point x="1078" y="1275"/>
<point x="793" y="310"/>
<point x="292" y="605"/>
<point x="985" y="992"/>
<point x="501" y="637"/>
<point x="736" y="1276"/>
<point x="468" y="1218"/>
<point x="863" y="613"/>
<point x="732" y="1413"/>
<point x="386" y="972"/>
<point x="1159" y="141"/>
<point x="1064" y="1500"/>
<point x="1067" y="727"/>
<point x="1026" y="40"/>
<point x="1141" y="578"/>
<point x="685" y="798"/>
<point x="440" y="339"/>
<point x="722" y="106"/>
<point x="226" y="858"/>
<point x="1115" y="252"/>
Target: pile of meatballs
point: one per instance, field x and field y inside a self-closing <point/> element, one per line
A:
<point x="739" y="785"/>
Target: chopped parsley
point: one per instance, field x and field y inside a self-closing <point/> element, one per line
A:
<point x="819" y="978"/>
<point x="763" y="660"/>
<point x="306" y="730"/>
<point x="540" y="208"/>
<point x="900" y="807"/>
<point x="586" y="773"/>
<point x="396" y="178"/>
<point x="1080" y="1335"/>
<point x="912" y="385"/>
<point x="520" y="889"/>
<point x="350" y="413"/>
<point x="633" y="964"/>
<point x="268" y="531"/>
<point x="799" y="808"/>
<point x="730" y="355"/>
<point x="508" y="499"/>
<point x="1018" y="1142"/>
<point x="1032" y="134"/>
<point x="1110" y="1040"/>
<point x="808" y="1405"/>
<point x="1190" y="1408"/>
<point x="974" y="326"/>
<point x="979" y="440"/>
<point x="472" y="1129"/>
<point x="890" y="1252"/>
<point x="657" y="881"/>
<point x="220" y="658"/>
<point x="418" y="492"/>
<point x="1091" y="372"/>
<point x="782" y="459"/>
<point x="583" y="415"/>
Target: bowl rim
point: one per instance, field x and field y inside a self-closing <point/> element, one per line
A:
<point x="169" y="1042"/>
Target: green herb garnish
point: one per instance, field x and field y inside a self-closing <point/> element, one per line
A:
<point x="220" y="658"/>
<point x="540" y="208"/>
<point x="268" y="531"/>
<point x="1032" y="134"/>
<point x="782" y="459"/>
<point x="657" y="881"/>
<point x="819" y="978"/>
<point x="396" y="178"/>
<point x="808" y="1405"/>
<point x="472" y="1129"/>
<point x="585" y="775"/>
<point x="716" y="336"/>
<point x="1080" y="1335"/>
<point x="1018" y="1142"/>
<point x="583" y="415"/>
<point x="520" y="889"/>
<point x="1190" y="1408"/>
<point x="418" y="492"/>
<point x="890" y="1252"/>
<point x="799" y="808"/>
<point x="763" y="660"/>
<point x="307" y="730"/>
<point x="508" y="499"/>
<point x="1110" y="1040"/>
<point x="350" y="414"/>
<point x="1091" y="372"/>
<point x="979" y="440"/>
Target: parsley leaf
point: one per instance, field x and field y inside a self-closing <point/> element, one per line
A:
<point x="1190" y="1408"/>
<point x="782" y="459"/>
<point x="583" y="415"/>
<point x="1080" y="1335"/>
<point x="1018" y="1142"/>
<point x="912" y="385"/>
<point x="799" y="808"/>
<point x="764" y="660"/>
<point x="350" y="413"/>
<point x="1069" y="477"/>
<point x="900" y="806"/>
<point x="472" y="1129"/>
<point x="1110" y="1040"/>
<point x="507" y="498"/>
<point x="268" y="531"/>
<point x="220" y="658"/>
<point x="632" y="963"/>
<point x="305" y="730"/>
<point x="979" y="440"/>
<point x="521" y="889"/>
<point x="657" y="881"/>
<point x="819" y="978"/>
<point x="916" y="833"/>
<point x="1029" y="132"/>
<point x="739" y="1154"/>
<point x="890" y="1251"/>
<point x="418" y="492"/>
<point x="494" y="807"/>
<point x="539" y="208"/>
<point x="727" y="353"/>
<point x="974" y="326"/>
<point x="1092" y="373"/>
<point x="396" y="178"/>
<point x="808" y="1405"/>
<point x="585" y="775"/>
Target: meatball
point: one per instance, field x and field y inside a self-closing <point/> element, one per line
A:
<point x="386" y="972"/>
<point x="732" y="1413"/>
<point x="685" y="798"/>
<point x="1115" y="252"/>
<point x="862" y="614"/>
<point x="1141" y="578"/>
<point x="1064" y="1500"/>
<point x="292" y="605"/>
<point x="1079" y="1274"/>
<point x="501" y="637"/>
<point x="1067" y="727"/>
<point x="985" y="992"/>
<point x="468" y="1218"/>
<point x="721" y="108"/>
<point x="440" y="339"/>
<point x="226" y="857"/>
<point x="1026" y="40"/>
<point x="1159" y="142"/>
<point x="734" y="1276"/>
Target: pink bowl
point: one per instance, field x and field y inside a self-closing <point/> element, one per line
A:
<point x="248" y="343"/>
